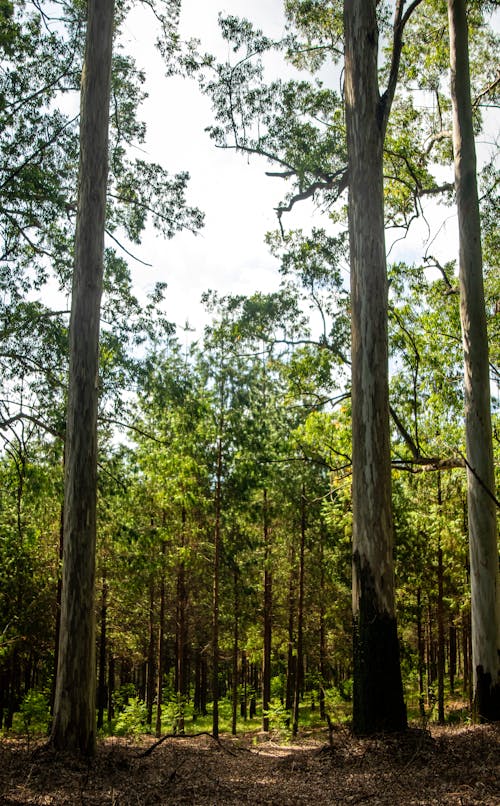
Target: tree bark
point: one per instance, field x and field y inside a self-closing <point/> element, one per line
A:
<point x="161" y="641"/>
<point x="182" y="638"/>
<point x="483" y="547"/>
<point x="268" y="608"/>
<point x="441" y="647"/>
<point x="300" y="617"/>
<point x="291" y="658"/>
<point x="150" y="664"/>
<point x="378" y="695"/>
<point x="322" y="634"/>
<point x="74" y="723"/>
<point x="421" y="656"/>
<point x="216" y="582"/>
<point x="235" y="687"/>
<point x="102" y="694"/>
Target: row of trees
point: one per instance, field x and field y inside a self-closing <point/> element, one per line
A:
<point x="238" y="474"/>
<point x="230" y="445"/>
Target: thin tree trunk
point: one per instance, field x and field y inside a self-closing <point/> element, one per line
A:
<point x="483" y="547"/>
<point x="441" y="647"/>
<point x="378" y="703"/>
<point x="216" y="581"/>
<point x="235" y="691"/>
<point x="421" y="655"/>
<point x="161" y="640"/>
<point x="322" y="639"/>
<point x="291" y="664"/>
<point x="101" y="691"/>
<point x="452" y="669"/>
<point x="58" y="612"/>
<point x="300" y="616"/>
<point x="74" y="723"/>
<point x="181" y="631"/>
<point x="254" y="683"/>
<point x="150" y="665"/>
<point x="268" y="607"/>
<point x="203" y="685"/>
<point x="244" y="681"/>
<point x="111" y="688"/>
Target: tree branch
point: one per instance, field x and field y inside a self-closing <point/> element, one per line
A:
<point x="4" y="424"/>
<point x="400" y="20"/>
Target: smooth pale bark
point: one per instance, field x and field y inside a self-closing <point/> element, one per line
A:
<point x="378" y="696"/>
<point x="483" y="547"/>
<point x="74" y="723"/>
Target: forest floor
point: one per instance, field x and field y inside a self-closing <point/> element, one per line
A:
<point x="451" y="765"/>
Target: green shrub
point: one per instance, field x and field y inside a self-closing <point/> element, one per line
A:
<point x="34" y="714"/>
<point x="131" y="721"/>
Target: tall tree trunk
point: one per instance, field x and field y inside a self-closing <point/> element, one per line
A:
<point x="161" y="641"/>
<point x="74" y="723"/>
<point x="300" y="616"/>
<point x="421" y="655"/>
<point x="268" y="609"/>
<point x="291" y="658"/>
<point x="58" y="612"/>
<point x="378" y="694"/>
<point x="215" y="599"/>
<point x="483" y="548"/>
<point x="235" y="687"/>
<point x="452" y="668"/>
<point x="440" y="610"/>
<point x="102" y="695"/>
<point x="150" y="664"/>
<point x="441" y="647"/>
<point x="322" y="635"/>
<point x="244" y="682"/>
<point x="111" y="688"/>
<point x="181" y="631"/>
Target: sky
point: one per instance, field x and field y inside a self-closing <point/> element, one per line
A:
<point x="229" y="254"/>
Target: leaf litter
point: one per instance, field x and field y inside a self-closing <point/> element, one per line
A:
<point x="440" y="765"/>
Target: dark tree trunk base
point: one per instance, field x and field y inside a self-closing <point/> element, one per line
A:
<point x="378" y="704"/>
<point x="487" y="699"/>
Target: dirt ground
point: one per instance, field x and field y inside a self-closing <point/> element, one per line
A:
<point x="438" y="766"/>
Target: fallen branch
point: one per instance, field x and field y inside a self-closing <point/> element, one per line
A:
<point x="150" y="749"/>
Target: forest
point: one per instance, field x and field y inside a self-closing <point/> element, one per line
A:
<point x="288" y="526"/>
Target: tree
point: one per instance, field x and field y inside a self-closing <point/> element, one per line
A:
<point x="74" y="724"/>
<point x="483" y="547"/>
<point x="378" y="695"/>
<point x="42" y="56"/>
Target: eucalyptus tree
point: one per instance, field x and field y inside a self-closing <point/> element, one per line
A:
<point x="73" y="726"/>
<point x="300" y="128"/>
<point x="38" y="177"/>
<point x="482" y="503"/>
<point x="460" y="118"/>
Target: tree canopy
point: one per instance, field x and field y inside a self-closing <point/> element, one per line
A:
<point x="241" y="474"/>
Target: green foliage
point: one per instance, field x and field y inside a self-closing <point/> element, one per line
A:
<point x="35" y="713"/>
<point x="131" y="721"/>
<point x="268" y="383"/>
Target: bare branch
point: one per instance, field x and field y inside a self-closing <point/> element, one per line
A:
<point x="22" y="416"/>
<point x="134" y="257"/>
<point x="400" y="20"/>
<point x="486" y="90"/>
